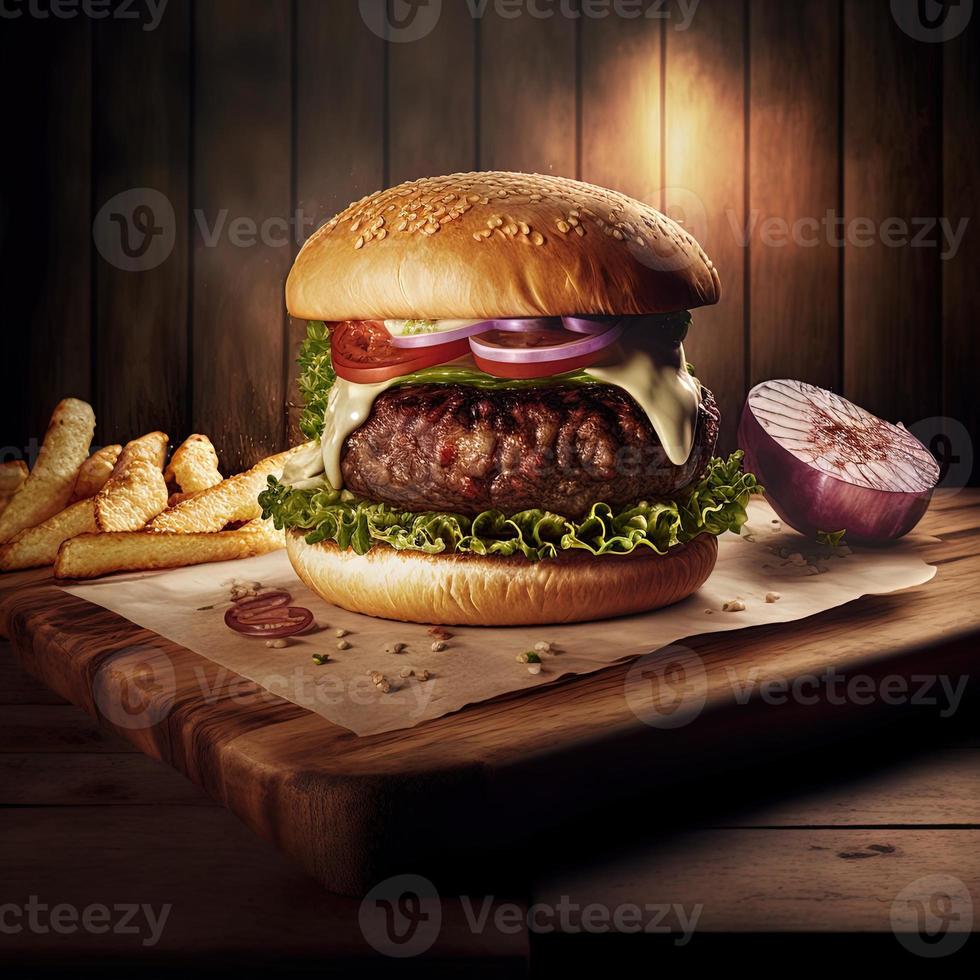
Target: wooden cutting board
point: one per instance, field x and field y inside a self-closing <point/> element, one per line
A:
<point x="353" y="810"/>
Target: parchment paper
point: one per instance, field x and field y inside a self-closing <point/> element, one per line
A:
<point x="187" y="606"/>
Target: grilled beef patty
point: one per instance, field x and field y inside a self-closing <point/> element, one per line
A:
<point x="461" y="449"/>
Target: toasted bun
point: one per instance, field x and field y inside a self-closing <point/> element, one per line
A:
<point x="474" y="591"/>
<point x="498" y="244"/>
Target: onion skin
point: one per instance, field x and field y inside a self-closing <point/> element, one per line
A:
<point x="810" y="500"/>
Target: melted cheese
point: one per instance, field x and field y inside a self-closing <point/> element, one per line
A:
<point x="654" y="376"/>
<point x="348" y="407"/>
<point x="658" y="381"/>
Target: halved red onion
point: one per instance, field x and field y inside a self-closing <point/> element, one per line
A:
<point x="540" y="345"/>
<point x="828" y="465"/>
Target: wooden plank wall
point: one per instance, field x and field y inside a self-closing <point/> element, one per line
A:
<point x="755" y="116"/>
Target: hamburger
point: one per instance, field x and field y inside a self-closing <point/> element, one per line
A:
<point x="504" y="427"/>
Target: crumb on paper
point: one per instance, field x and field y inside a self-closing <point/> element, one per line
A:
<point x="542" y="646"/>
<point x="339" y="633"/>
<point x="773" y="596"/>
<point x="422" y="675"/>
<point x="380" y="681"/>
<point x="733" y="605"/>
<point x="244" y="590"/>
<point x="406" y="672"/>
<point x="394" y="647"/>
<point x="533" y="668"/>
<point x="439" y="633"/>
<point x="276" y="644"/>
<point x="438" y="646"/>
<point x="343" y="645"/>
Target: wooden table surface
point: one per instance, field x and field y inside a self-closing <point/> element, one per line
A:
<point x="820" y="846"/>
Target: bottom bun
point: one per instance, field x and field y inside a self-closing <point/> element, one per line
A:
<point x="473" y="590"/>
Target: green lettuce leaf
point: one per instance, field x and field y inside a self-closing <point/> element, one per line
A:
<point x="715" y="505"/>
<point x="316" y="378"/>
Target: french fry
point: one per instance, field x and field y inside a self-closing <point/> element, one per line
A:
<point x="12" y="476"/>
<point x="92" y="555"/>
<point x="234" y="499"/>
<point x="133" y="494"/>
<point x="94" y="472"/>
<point x="136" y="491"/>
<point x="38" y="546"/>
<point x="152" y="447"/>
<point x="48" y="487"/>
<point x="194" y="465"/>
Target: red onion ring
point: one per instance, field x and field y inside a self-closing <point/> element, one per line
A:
<point x="441" y="336"/>
<point x="274" y="597"/>
<point x="590" y="324"/>
<point x="295" y="619"/>
<point x="576" y="346"/>
<point x="828" y="465"/>
<point x="524" y="324"/>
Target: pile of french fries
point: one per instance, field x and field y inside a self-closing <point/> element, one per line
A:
<point x="121" y="509"/>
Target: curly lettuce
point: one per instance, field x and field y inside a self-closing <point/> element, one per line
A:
<point x="714" y="505"/>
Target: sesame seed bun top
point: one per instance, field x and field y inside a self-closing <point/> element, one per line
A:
<point x="496" y="244"/>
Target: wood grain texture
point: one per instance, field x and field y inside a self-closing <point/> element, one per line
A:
<point x="705" y="186"/>
<point x="527" y="93"/>
<point x="106" y="779"/>
<point x="241" y="167"/>
<point x="231" y="897"/>
<point x="892" y="171"/>
<point x="44" y="728"/>
<point x="621" y="106"/>
<point x="46" y="245"/>
<point x="961" y="170"/>
<point x="339" y="140"/>
<point x="795" y="282"/>
<point x="941" y="790"/>
<point x="785" y="881"/>
<point x="350" y="810"/>
<point x="141" y="134"/>
<point x="431" y="99"/>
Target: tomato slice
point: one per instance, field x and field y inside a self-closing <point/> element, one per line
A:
<point x="362" y="352"/>
<point x="539" y="369"/>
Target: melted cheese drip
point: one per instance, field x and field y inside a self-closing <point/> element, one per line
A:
<point x="658" y="381"/>
<point x="654" y="376"/>
<point x="348" y="406"/>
